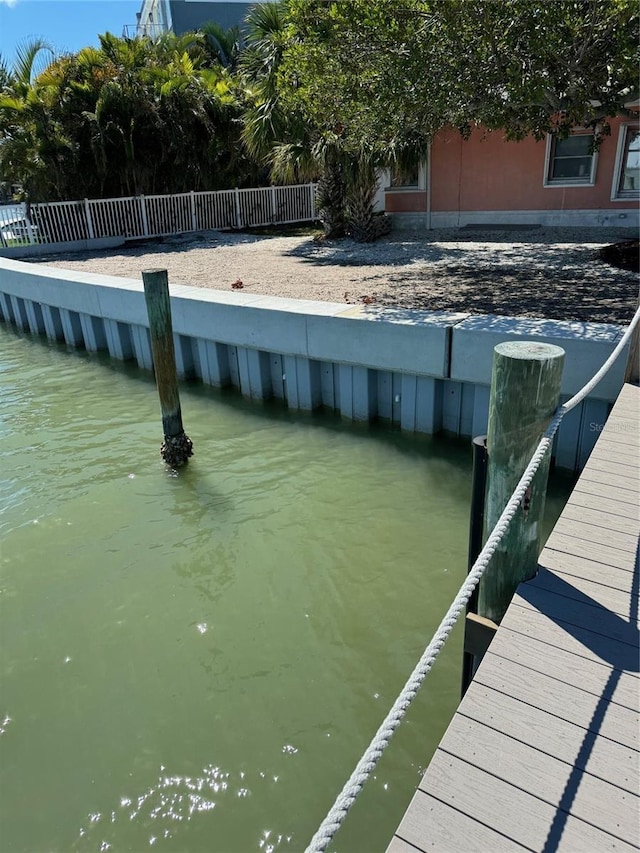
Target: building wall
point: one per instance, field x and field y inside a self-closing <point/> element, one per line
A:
<point x="154" y="18"/>
<point x="488" y="173"/>
<point x="488" y="180"/>
<point x="190" y="14"/>
<point x="405" y="201"/>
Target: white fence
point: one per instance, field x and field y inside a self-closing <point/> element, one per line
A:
<point x="155" y="215"/>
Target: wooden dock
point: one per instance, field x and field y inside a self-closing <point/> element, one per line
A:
<point x="543" y="752"/>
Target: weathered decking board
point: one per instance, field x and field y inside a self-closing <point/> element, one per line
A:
<point x="543" y="753"/>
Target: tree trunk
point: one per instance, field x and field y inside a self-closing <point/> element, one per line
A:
<point x="330" y="200"/>
<point x="361" y="219"/>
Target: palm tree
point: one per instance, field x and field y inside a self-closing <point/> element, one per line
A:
<point x="279" y="136"/>
<point x="224" y="46"/>
<point x="32" y="143"/>
<point x="279" y="131"/>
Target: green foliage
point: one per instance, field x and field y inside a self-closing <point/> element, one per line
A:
<point x="224" y="46"/>
<point x="364" y="84"/>
<point x="384" y="75"/>
<point x="534" y="67"/>
<point x="320" y="89"/>
<point x="296" y="144"/>
<point x="29" y="60"/>
<point x="132" y="116"/>
<point x="355" y="71"/>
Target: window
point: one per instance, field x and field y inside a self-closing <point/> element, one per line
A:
<point x="570" y="161"/>
<point x="405" y="178"/>
<point x="408" y="178"/>
<point x="626" y="175"/>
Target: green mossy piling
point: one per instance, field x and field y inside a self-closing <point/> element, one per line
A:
<point x="525" y="392"/>
<point x="177" y="447"/>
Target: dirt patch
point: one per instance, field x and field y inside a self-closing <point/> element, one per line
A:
<point x="551" y="273"/>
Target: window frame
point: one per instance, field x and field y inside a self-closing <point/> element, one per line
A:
<point x="630" y="195"/>
<point x="563" y="183"/>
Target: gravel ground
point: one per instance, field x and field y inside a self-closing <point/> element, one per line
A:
<point x="529" y="272"/>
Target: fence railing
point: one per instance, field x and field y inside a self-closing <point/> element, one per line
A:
<point x="155" y="215"/>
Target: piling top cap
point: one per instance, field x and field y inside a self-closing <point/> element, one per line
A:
<point x="529" y="350"/>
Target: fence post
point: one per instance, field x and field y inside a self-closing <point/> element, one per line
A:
<point x="525" y="391"/>
<point x="274" y="206"/>
<point x="194" y="218"/>
<point x="143" y="213"/>
<point x="87" y="213"/>
<point x="26" y="215"/>
<point x="312" y="188"/>
<point x="176" y="447"/>
<point x="237" y="202"/>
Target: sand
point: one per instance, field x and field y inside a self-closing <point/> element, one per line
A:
<point x="530" y="272"/>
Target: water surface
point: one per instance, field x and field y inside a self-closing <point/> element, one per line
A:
<point x="195" y="662"/>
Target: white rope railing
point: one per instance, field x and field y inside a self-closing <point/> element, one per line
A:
<point x="367" y="763"/>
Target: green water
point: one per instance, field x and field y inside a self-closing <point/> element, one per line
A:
<point x="195" y="662"/>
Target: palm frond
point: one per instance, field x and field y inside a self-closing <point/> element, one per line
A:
<point x="291" y="163"/>
<point x="265" y="19"/>
<point x="28" y="62"/>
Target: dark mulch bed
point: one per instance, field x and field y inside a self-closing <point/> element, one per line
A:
<point x="575" y="284"/>
<point x="624" y="255"/>
<point x="517" y="293"/>
<point x="513" y="292"/>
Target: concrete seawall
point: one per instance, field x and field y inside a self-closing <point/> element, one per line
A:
<point x="424" y="371"/>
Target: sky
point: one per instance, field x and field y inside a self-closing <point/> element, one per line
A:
<point x="68" y="25"/>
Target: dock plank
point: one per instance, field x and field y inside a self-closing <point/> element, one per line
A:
<point x="607" y="759"/>
<point x="576" y="670"/>
<point x="587" y="591"/>
<point x="615" y="722"/>
<point x="611" y="452"/>
<point x="591" y="551"/>
<point x="599" y="534"/>
<point x="604" y="504"/>
<point x="569" y="566"/>
<point x="398" y="845"/>
<point x="475" y="837"/>
<point x="547" y="778"/>
<point x="508" y="809"/>
<point x="576" y="511"/>
<point x="572" y="638"/>
<point x="581" y="589"/>
<point x="623" y="441"/>
<point x="624" y="489"/>
<point x="606" y="492"/>
<point x="622" y="468"/>
<point x="544" y="751"/>
<point x="623" y="430"/>
<point x="625" y="411"/>
<point x="583" y="614"/>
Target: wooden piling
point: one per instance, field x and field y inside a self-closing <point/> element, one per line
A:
<point x="177" y="446"/>
<point x="632" y="370"/>
<point x="476" y="533"/>
<point x="525" y="392"/>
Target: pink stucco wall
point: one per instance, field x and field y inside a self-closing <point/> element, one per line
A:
<point x="405" y="201"/>
<point x="488" y="173"/>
